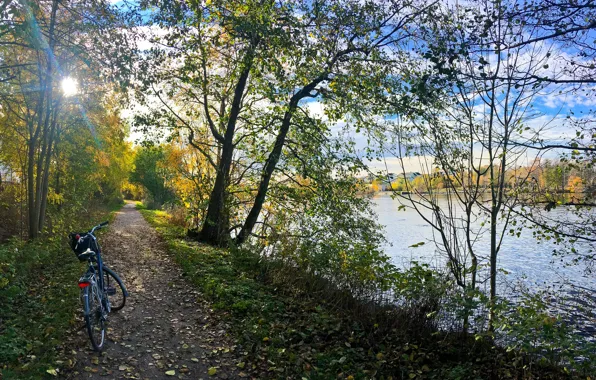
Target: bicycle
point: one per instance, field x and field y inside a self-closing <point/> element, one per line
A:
<point x="102" y="291"/>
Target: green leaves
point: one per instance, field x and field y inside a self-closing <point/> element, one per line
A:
<point x="152" y="171"/>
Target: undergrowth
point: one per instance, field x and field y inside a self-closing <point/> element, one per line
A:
<point x="291" y="332"/>
<point x="39" y="301"/>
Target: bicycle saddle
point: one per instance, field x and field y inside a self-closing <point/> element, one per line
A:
<point x="87" y="254"/>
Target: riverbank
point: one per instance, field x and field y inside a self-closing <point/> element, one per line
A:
<point x="289" y="332"/>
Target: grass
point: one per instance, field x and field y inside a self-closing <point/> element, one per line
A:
<point x="39" y="303"/>
<point x="287" y="332"/>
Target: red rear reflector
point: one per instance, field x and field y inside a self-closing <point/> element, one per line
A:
<point x="83" y="284"/>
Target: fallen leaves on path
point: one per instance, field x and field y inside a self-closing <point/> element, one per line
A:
<point x="166" y="329"/>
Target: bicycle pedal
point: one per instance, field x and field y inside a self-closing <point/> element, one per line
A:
<point x="111" y="291"/>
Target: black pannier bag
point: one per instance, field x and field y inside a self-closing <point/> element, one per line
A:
<point x="80" y="242"/>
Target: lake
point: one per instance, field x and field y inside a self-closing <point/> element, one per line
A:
<point x="523" y="257"/>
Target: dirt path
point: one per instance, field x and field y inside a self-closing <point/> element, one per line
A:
<point x="165" y="326"/>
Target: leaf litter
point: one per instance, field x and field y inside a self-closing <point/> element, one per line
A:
<point x="167" y="329"/>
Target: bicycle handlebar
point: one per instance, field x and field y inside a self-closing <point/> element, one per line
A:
<point x="99" y="226"/>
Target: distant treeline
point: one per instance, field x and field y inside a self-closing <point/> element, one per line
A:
<point x="551" y="176"/>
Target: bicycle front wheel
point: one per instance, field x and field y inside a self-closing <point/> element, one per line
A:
<point x="94" y="316"/>
<point x="114" y="289"/>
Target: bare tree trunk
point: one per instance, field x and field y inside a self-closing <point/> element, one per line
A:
<point x="52" y="114"/>
<point x="273" y="159"/>
<point x="216" y="227"/>
<point x="58" y="185"/>
<point x="40" y="174"/>
<point x="493" y="267"/>
<point x="45" y="184"/>
<point x="31" y="193"/>
<point x="34" y="127"/>
<point x="43" y="108"/>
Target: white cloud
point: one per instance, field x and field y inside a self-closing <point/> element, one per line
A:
<point x="316" y="109"/>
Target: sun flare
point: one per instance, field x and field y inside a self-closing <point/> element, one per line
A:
<point x="69" y="86"/>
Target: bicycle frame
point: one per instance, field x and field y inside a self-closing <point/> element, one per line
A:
<point x="99" y="271"/>
<point x="95" y="285"/>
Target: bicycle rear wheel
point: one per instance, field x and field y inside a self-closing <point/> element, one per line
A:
<point x="94" y="316"/>
<point x="115" y="289"/>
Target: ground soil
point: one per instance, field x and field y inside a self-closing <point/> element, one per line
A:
<point x="166" y="324"/>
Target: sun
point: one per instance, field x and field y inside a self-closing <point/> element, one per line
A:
<point x="69" y="86"/>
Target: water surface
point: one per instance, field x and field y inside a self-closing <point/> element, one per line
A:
<point x="524" y="258"/>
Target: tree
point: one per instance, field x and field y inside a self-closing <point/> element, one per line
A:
<point x="219" y="44"/>
<point x="476" y="104"/>
<point x="151" y="171"/>
<point x="37" y="48"/>
<point x="575" y="184"/>
<point x="248" y="70"/>
<point x="192" y="182"/>
<point x="348" y="64"/>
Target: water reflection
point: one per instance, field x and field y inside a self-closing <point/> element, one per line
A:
<point x="524" y="258"/>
